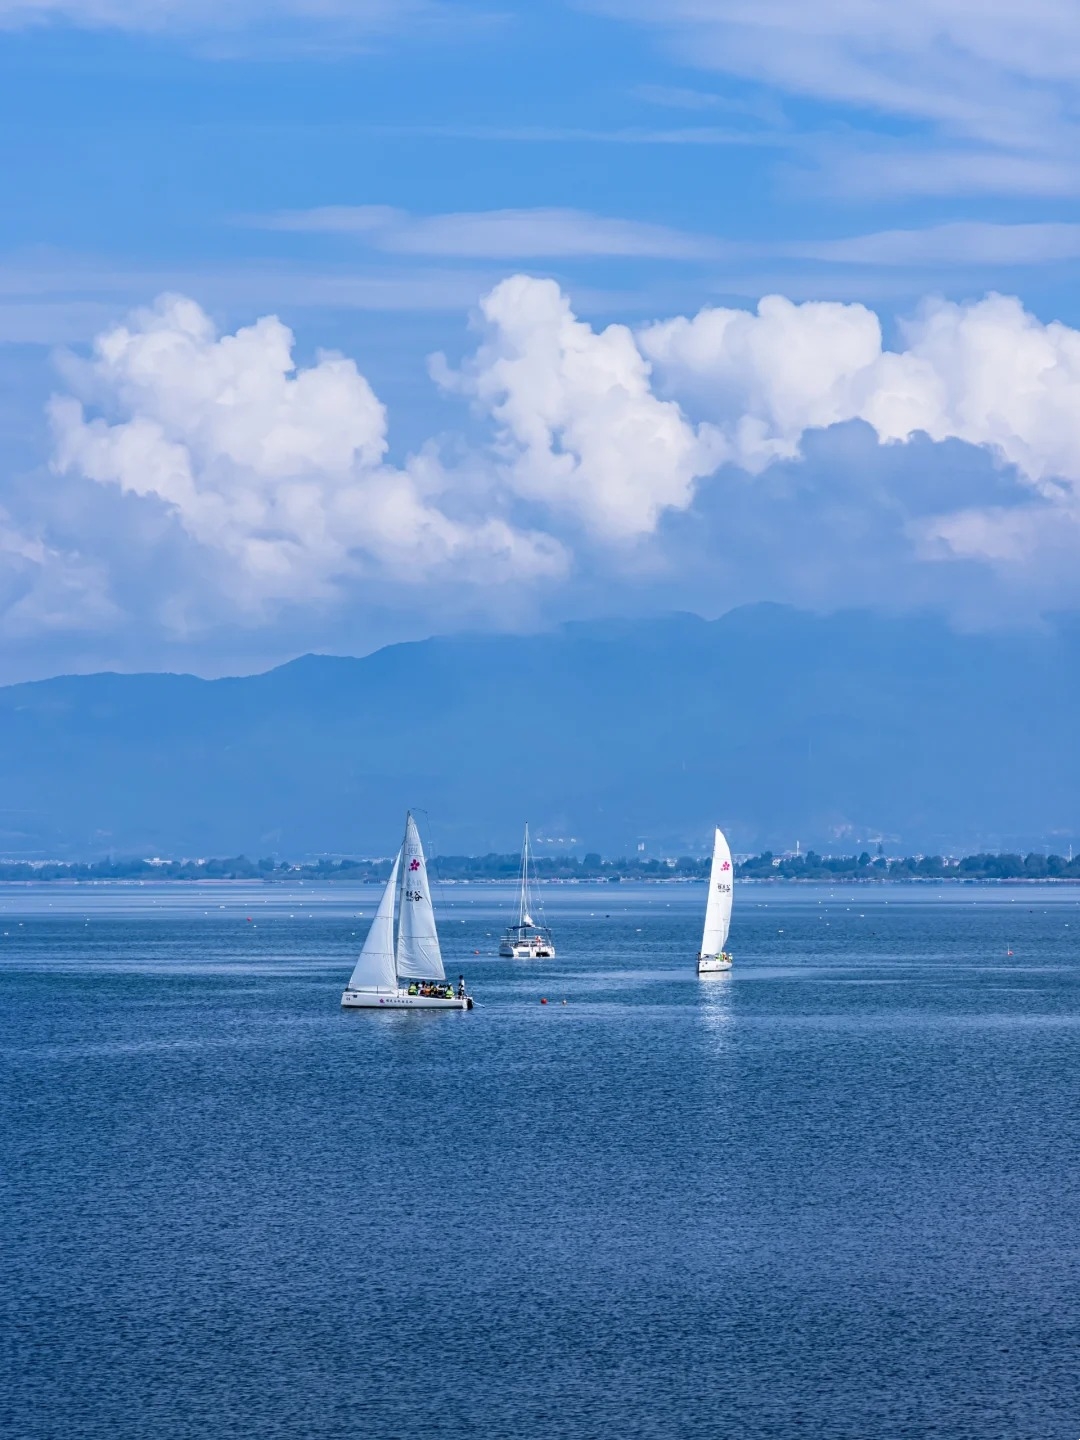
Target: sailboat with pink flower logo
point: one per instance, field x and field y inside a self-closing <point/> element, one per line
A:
<point x="712" y="956"/>
<point x="404" y="971"/>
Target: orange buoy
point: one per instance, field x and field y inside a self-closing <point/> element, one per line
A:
<point x="543" y="1001"/>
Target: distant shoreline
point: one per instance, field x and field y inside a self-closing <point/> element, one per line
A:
<point x="503" y="883"/>
<point x="801" y="868"/>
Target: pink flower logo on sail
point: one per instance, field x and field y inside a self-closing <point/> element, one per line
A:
<point x="414" y="865"/>
<point x="726" y="865"/>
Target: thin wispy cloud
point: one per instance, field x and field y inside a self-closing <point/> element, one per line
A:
<point x="862" y="170"/>
<point x="51" y="322"/>
<point x="695" y="135"/>
<point x="497" y="234"/>
<point x="761" y="108"/>
<point x="1000" y="76"/>
<point x="991" y="70"/>
<point x="63" y="296"/>
<point x="194" y="17"/>
<point x="965" y="243"/>
<point x="554" y="233"/>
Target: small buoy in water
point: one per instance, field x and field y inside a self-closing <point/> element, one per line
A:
<point x="564" y="1002"/>
<point x="249" y="919"/>
<point x="543" y="1001"/>
<point x="1008" y="952"/>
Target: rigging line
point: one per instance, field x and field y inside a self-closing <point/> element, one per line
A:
<point x="523" y="899"/>
<point x="541" y="917"/>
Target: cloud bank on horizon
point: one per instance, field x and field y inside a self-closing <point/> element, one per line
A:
<point x="279" y="471"/>
<point x="275" y="478"/>
<point x="779" y="302"/>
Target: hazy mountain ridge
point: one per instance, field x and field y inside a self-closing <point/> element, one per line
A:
<point x="779" y="724"/>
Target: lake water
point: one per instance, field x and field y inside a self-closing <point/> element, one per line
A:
<point x="833" y="1194"/>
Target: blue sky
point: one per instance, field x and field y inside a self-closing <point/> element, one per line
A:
<point x="577" y="210"/>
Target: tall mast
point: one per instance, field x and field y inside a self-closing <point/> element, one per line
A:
<point x="523" y="907"/>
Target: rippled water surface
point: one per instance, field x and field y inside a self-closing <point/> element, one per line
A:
<point x="831" y="1194"/>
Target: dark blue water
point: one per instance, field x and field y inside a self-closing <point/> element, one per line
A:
<point x="833" y="1194"/>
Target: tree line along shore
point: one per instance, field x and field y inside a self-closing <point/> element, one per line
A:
<point x="765" y="867"/>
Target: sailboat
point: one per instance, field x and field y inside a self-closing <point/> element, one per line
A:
<point x="526" y="940"/>
<point x="712" y="955"/>
<point x="407" y="974"/>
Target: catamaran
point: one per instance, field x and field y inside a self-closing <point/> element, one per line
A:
<point x="712" y="955"/>
<point x="526" y="940"/>
<point x="407" y="974"/>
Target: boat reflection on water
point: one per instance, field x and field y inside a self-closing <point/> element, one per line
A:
<point x="716" y="1009"/>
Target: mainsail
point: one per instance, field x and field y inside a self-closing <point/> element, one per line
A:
<point x="418" y="954"/>
<point x="718" y="908"/>
<point x="525" y="903"/>
<point x="375" y="968"/>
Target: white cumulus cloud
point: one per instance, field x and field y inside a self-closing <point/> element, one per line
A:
<point x="280" y="470"/>
<point x="987" y="373"/>
<point x="579" y="429"/>
<point x="272" y="485"/>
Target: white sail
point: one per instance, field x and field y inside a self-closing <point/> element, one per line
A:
<point x="418" y="954"/>
<point x="524" y="904"/>
<point x="718" y="908"/>
<point x="375" y="969"/>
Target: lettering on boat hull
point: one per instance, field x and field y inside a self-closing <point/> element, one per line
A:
<point x="359" y="1000"/>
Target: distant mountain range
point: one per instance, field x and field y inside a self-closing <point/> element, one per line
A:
<point x="777" y="724"/>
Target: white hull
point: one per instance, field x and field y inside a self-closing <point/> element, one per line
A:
<point x="401" y="1000"/>
<point x="713" y="964"/>
<point x="514" y="950"/>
